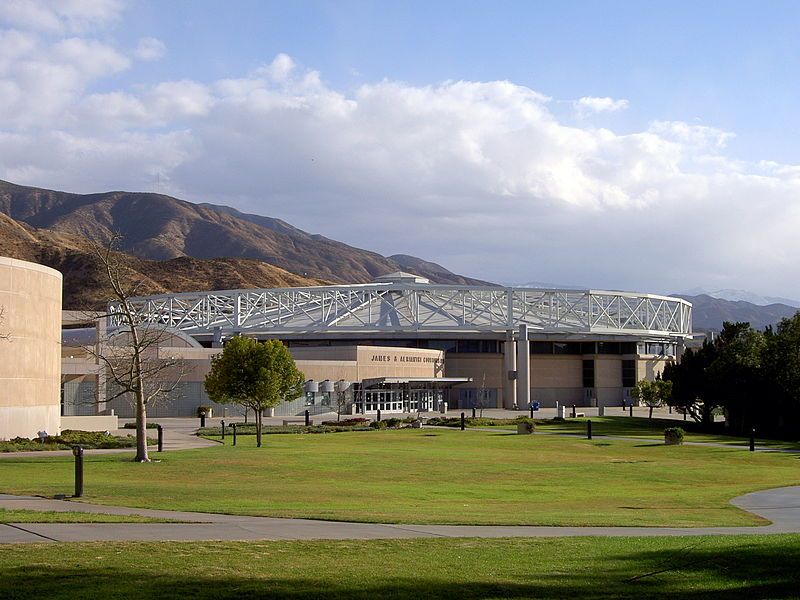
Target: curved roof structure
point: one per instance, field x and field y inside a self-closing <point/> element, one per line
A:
<point x="406" y="306"/>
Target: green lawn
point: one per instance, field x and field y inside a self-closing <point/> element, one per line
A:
<point x="40" y="516"/>
<point x="429" y="476"/>
<point x="726" y="568"/>
<point x="632" y="427"/>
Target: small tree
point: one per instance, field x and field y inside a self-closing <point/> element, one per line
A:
<point x="652" y="393"/>
<point x="253" y="375"/>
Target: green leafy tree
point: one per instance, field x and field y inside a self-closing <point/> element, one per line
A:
<point x="689" y="379"/>
<point x="735" y="377"/>
<point x="652" y="393"/>
<point x="254" y="375"/>
<point x="781" y="370"/>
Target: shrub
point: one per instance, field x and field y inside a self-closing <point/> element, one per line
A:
<point x="351" y="422"/>
<point x="378" y="424"/>
<point x="673" y="436"/>
<point x="394" y="422"/>
<point x="133" y="425"/>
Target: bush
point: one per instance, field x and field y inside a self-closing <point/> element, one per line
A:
<point x="673" y="436"/>
<point x="393" y="423"/>
<point x="352" y="422"/>
<point x="69" y="438"/>
<point x="133" y="425"/>
<point x="378" y="425"/>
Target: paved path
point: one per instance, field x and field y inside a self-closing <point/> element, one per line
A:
<point x="781" y="506"/>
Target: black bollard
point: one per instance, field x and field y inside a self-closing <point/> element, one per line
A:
<point x="531" y="410"/>
<point x="202" y="419"/>
<point x="379" y="414"/>
<point x="684" y="414"/>
<point x="589" y="429"/>
<point x="77" y="451"/>
<point x="223" y="429"/>
<point x="473" y="412"/>
<point x="463" y="425"/>
<point x="234" y="433"/>
<point x="631" y="410"/>
<point x="573" y="411"/>
<point x="306" y="418"/>
<point x="753" y="439"/>
<point x="160" y="438"/>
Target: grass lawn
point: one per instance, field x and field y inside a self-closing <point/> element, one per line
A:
<point x="41" y="516"/>
<point x="720" y="567"/>
<point x="638" y="427"/>
<point x="429" y="476"/>
<point x="631" y="427"/>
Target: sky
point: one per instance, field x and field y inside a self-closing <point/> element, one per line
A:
<point x="648" y="146"/>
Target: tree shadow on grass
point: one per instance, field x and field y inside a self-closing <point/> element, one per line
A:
<point x="746" y="571"/>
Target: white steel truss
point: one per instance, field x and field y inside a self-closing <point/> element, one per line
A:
<point x="404" y="307"/>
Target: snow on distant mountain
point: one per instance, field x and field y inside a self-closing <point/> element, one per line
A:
<point x="734" y="295"/>
<point x="543" y="285"/>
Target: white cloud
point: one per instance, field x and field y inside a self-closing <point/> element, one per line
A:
<point x="60" y="16"/>
<point x="481" y="176"/>
<point x="149" y="49"/>
<point x="589" y="105"/>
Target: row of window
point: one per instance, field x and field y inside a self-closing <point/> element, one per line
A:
<point x="628" y="373"/>
<point x="496" y="346"/>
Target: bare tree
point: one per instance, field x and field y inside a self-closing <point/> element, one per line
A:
<point x="130" y="354"/>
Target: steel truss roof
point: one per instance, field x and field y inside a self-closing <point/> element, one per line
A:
<point x="397" y="308"/>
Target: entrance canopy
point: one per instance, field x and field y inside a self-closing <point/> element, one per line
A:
<point x="414" y="381"/>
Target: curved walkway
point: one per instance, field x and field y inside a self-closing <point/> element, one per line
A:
<point x="781" y="506"/>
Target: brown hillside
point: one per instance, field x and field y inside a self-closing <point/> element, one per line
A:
<point x="86" y="288"/>
<point x="155" y="226"/>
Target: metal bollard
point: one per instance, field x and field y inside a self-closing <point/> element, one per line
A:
<point x="306" y="418"/>
<point x="223" y="429"/>
<point x="77" y="451"/>
<point x="234" y="433"/>
<point x="589" y="429"/>
<point x="202" y="419"/>
<point x="684" y="414"/>
<point x="631" y="410"/>
<point x="160" y="438"/>
<point x="531" y="410"/>
<point x="473" y="412"/>
<point x="573" y="411"/>
<point x="753" y="439"/>
<point x="379" y="414"/>
<point x="462" y="422"/>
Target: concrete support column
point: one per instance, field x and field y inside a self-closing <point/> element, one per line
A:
<point x="509" y="365"/>
<point x="101" y="329"/>
<point x="523" y="369"/>
<point x="680" y="349"/>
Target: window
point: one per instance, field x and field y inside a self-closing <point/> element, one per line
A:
<point x="588" y="373"/>
<point x="541" y="348"/>
<point x="628" y="373"/>
<point x="566" y="348"/>
<point x="628" y="347"/>
<point x="588" y="348"/>
<point x="608" y="348"/>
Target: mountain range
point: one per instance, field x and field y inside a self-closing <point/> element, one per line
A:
<point x="173" y="245"/>
<point x="159" y="227"/>
<point x="170" y="244"/>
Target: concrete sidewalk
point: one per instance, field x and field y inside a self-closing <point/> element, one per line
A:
<point x="781" y="506"/>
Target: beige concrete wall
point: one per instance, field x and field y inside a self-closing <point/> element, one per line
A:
<point x="91" y="423"/>
<point x="30" y="360"/>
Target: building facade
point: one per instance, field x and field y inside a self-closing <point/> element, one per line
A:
<point x="30" y="361"/>
<point x="402" y="343"/>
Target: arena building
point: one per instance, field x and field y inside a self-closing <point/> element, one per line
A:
<point x="401" y="344"/>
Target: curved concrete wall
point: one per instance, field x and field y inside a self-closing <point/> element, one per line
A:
<point x="30" y="359"/>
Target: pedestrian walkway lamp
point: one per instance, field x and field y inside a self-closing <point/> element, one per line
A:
<point x="77" y="452"/>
